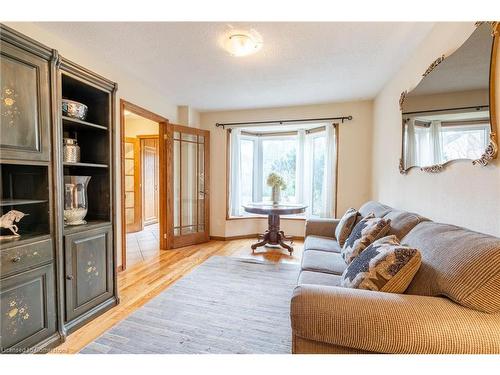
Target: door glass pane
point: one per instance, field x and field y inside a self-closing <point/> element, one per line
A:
<point x="189" y="137"/>
<point x="201" y="187"/>
<point x="189" y="183"/>
<point x="129" y="167"/>
<point x="129" y="183"/>
<point x="129" y="150"/>
<point x="177" y="183"/>
<point x="129" y="199"/>
<point x="201" y="139"/>
<point x="177" y="135"/>
<point x="129" y="215"/>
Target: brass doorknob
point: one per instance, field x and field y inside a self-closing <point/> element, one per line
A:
<point x="16" y="259"/>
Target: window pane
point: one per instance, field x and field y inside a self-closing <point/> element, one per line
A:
<point x="279" y="156"/>
<point x="247" y="171"/>
<point x="318" y="173"/>
<point x="464" y="142"/>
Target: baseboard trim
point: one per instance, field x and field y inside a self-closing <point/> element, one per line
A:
<point x="245" y="236"/>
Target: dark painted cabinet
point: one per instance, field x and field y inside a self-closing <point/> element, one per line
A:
<point x="28" y="307"/>
<point x="89" y="270"/>
<point x="54" y="277"/>
<point x="25" y="104"/>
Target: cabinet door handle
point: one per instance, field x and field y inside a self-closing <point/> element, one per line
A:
<point x="16" y="259"/>
<point x="69" y="277"/>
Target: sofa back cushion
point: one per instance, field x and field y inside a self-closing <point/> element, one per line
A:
<point x="457" y="263"/>
<point x="402" y="222"/>
<point x="378" y="209"/>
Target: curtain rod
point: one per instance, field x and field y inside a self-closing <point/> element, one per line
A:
<point x="280" y="122"/>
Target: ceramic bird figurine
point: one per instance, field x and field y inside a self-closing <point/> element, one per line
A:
<point x="7" y="221"/>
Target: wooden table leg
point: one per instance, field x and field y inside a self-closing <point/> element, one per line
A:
<point x="273" y="235"/>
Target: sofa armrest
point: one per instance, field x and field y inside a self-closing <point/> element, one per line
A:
<point x="321" y="227"/>
<point x="391" y="323"/>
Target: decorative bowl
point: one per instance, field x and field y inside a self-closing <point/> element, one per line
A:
<point x="74" y="109"/>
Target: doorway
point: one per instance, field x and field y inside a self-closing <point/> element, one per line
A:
<point x="143" y="205"/>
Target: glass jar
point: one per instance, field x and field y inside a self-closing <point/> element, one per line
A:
<point x="71" y="150"/>
<point x="75" y="199"/>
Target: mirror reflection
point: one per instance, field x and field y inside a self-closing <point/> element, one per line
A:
<point x="447" y="116"/>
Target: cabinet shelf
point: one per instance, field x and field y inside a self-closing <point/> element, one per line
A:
<point x="91" y="165"/>
<point x="91" y="224"/>
<point x="23" y="239"/>
<point x="81" y="124"/>
<point x="19" y="202"/>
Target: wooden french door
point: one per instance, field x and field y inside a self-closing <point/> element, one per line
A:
<point x="188" y="157"/>
<point x="132" y="171"/>
<point x="150" y="179"/>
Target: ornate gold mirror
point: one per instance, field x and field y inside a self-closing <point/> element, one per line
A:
<point x="450" y="114"/>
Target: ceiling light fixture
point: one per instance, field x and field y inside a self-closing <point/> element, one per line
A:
<point x="242" y="43"/>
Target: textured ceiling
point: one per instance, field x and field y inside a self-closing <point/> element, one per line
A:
<point x="300" y="63"/>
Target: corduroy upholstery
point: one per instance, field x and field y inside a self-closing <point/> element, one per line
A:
<point x="390" y="323"/>
<point x="319" y="278"/>
<point x="322" y="244"/>
<point x="321" y="227"/>
<point x="323" y="261"/>
<point x="451" y="306"/>
<point x="457" y="263"/>
<point x="402" y="222"/>
<point x="378" y="209"/>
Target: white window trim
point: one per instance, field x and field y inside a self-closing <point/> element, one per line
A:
<point x="258" y="173"/>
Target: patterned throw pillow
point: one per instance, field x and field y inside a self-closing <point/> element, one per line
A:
<point x="369" y="229"/>
<point x="384" y="266"/>
<point x="345" y="225"/>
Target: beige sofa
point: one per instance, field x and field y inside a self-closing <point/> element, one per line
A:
<point x="451" y="306"/>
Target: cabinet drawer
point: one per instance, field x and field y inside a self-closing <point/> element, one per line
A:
<point x="23" y="257"/>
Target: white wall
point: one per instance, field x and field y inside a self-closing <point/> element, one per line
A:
<point x="354" y="161"/>
<point x="462" y="194"/>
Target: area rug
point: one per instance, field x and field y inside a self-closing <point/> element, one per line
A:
<point x="225" y="305"/>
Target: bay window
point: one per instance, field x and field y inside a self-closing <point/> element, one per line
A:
<point x="305" y="158"/>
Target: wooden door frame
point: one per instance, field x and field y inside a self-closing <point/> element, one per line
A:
<point x="141" y="151"/>
<point x="196" y="237"/>
<point x="163" y="123"/>
<point x="137" y="182"/>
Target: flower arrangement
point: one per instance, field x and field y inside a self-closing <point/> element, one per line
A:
<point x="276" y="181"/>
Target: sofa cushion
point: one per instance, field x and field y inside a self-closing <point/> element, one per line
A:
<point x="458" y="263"/>
<point x="321" y="244"/>
<point x="378" y="209"/>
<point x="323" y="261"/>
<point x="319" y="278"/>
<point x="402" y="222"/>
<point x="364" y="233"/>
<point x="385" y="266"/>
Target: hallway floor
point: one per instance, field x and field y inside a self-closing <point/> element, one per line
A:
<point x="143" y="245"/>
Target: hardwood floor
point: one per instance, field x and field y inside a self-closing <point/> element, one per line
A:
<point x="143" y="245"/>
<point x="145" y="280"/>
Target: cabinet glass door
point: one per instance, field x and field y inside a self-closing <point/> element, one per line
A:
<point x="188" y="204"/>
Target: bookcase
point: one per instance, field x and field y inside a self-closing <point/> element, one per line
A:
<point x="54" y="277"/>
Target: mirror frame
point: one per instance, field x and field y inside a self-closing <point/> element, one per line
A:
<point x="491" y="151"/>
